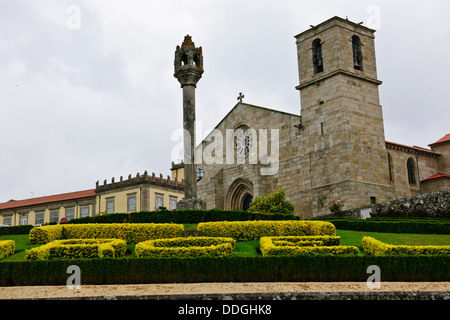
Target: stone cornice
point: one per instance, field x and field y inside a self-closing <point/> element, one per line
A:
<point x="321" y="77"/>
<point x="138" y="180"/>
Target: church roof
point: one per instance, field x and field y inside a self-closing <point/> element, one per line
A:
<point x="445" y="138"/>
<point x="437" y="176"/>
<point x="414" y="148"/>
<point x="47" y="199"/>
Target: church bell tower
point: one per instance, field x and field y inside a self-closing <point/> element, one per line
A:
<point x="341" y="113"/>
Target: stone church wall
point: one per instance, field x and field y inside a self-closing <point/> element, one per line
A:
<point x="435" y="204"/>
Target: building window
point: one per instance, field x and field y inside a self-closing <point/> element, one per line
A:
<point x="159" y="201"/>
<point x="391" y="177"/>
<point x="373" y="201"/>
<point x="7" y="221"/>
<point x="317" y="56"/>
<point x="173" y="203"/>
<point x="23" y="220"/>
<point x="321" y="128"/>
<point x="54" y="216"/>
<point x="110" y="205"/>
<point x="70" y="214"/>
<point x="131" y="202"/>
<point x="357" y="53"/>
<point x="40" y="218"/>
<point x="84" y="211"/>
<point x="411" y="171"/>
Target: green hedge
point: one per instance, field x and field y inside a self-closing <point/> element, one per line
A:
<point x="186" y="247"/>
<point x="182" y="216"/>
<point x="226" y="269"/>
<point x="423" y="226"/>
<point x="15" y="230"/>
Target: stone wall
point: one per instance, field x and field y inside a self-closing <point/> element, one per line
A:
<point x="435" y="204"/>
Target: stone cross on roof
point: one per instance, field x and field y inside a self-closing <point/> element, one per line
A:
<point x="240" y="97"/>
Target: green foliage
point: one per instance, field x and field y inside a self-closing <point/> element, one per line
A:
<point x="311" y="245"/>
<point x="15" y="230"/>
<point x="130" y="232"/>
<point x="302" y="268"/>
<point x="7" y="248"/>
<point x="78" y="248"/>
<point x="273" y="203"/>
<point x="250" y="230"/>
<point x="375" y="247"/>
<point x="394" y="225"/>
<point x="186" y="247"/>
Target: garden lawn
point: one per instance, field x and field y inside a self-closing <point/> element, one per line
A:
<point x="354" y="238"/>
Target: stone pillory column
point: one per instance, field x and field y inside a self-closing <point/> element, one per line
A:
<point x="188" y="70"/>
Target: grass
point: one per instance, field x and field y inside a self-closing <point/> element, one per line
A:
<point x="251" y="248"/>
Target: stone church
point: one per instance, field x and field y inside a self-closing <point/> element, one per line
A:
<point x="335" y="148"/>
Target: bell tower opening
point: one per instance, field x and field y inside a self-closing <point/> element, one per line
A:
<point x="357" y="53"/>
<point x="317" y="57"/>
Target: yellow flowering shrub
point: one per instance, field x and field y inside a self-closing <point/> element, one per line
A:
<point x="130" y="232"/>
<point x="251" y="230"/>
<point x="77" y="249"/>
<point x="278" y="246"/>
<point x="7" y="248"/>
<point x="375" y="247"/>
<point x="186" y="247"/>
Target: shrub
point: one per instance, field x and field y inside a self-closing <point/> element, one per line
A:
<point x="24" y="229"/>
<point x="250" y="230"/>
<point x="7" y="248"/>
<point x="336" y="206"/>
<point x="186" y="247"/>
<point x="273" y="203"/>
<point x="375" y="247"/>
<point x="270" y="246"/>
<point x="394" y="225"/>
<point x="78" y="248"/>
<point x="130" y="232"/>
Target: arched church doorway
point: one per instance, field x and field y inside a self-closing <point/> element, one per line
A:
<point x="247" y="200"/>
<point x="239" y="195"/>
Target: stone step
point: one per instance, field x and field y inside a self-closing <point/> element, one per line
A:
<point x="190" y="233"/>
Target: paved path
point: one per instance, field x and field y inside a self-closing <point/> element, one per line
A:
<point x="196" y="289"/>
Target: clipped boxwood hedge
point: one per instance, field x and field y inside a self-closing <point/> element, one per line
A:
<point x="319" y="245"/>
<point x="182" y="216"/>
<point x="251" y="230"/>
<point x="375" y="247"/>
<point x="130" y="232"/>
<point x="7" y="248"/>
<point x="78" y="248"/>
<point x="186" y="247"/>
<point x="394" y="225"/>
<point x="226" y="269"/>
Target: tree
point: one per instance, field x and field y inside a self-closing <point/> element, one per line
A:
<point x="273" y="203"/>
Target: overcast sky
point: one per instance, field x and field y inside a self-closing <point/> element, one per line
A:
<point x="87" y="89"/>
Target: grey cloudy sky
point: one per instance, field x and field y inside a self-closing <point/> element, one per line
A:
<point x="92" y="98"/>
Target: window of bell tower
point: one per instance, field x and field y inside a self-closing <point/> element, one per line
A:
<point x="317" y="56"/>
<point x="357" y="53"/>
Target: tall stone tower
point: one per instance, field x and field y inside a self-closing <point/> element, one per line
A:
<point x="341" y="113"/>
<point x="188" y="70"/>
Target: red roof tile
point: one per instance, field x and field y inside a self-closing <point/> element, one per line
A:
<point x="437" y="176"/>
<point x="443" y="139"/>
<point x="47" y="199"/>
<point x="413" y="148"/>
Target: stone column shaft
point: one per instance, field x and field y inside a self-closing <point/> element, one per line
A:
<point x="190" y="174"/>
